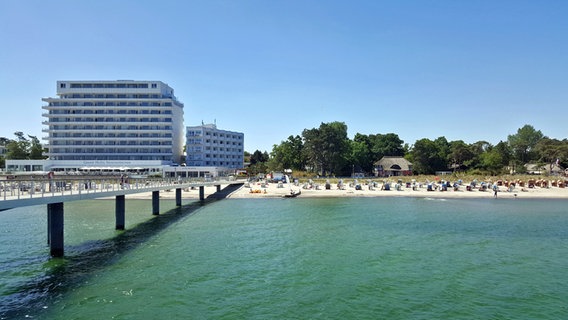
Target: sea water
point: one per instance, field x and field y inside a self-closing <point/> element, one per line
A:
<point x="331" y="258"/>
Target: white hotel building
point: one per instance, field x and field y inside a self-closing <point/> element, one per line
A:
<point x="208" y="146"/>
<point x="211" y="152"/>
<point x="111" y="124"/>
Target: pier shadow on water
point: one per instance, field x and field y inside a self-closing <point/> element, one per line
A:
<point x="81" y="261"/>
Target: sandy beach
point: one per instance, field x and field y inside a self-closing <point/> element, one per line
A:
<point x="273" y="190"/>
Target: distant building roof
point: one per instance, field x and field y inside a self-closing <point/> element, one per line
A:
<point x="392" y="163"/>
<point x="539" y="169"/>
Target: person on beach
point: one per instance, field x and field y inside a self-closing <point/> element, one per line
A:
<point x="495" y="191"/>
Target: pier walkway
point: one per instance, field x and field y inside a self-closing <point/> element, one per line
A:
<point x="31" y="192"/>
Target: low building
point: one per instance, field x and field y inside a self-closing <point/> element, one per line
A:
<point x="208" y="146"/>
<point x="92" y="167"/>
<point x="551" y="169"/>
<point x="392" y="166"/>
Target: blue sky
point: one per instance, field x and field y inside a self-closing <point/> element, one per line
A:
<point x="466" y="70"/>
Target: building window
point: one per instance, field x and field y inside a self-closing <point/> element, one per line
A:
<point x="154" y="86"/>
<point x="62" y="85"/>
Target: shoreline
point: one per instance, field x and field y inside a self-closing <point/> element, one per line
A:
<point x="272" y="190"/>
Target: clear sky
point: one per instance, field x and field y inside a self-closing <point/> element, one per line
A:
<point x="466" y="70"/>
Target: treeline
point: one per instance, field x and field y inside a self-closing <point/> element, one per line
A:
<point x="21" y="147"/>
<point x="327" y="150"/>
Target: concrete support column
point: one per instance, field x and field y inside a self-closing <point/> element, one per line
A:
<point x="55" y="228"/>
<point x="218" y="187"/>
<point x="119" y="210"/>
<point x="48" y="225"/>
<point x="178" y="197"/>
<point x="202" y="193"/>
<point x="155" y="203"/>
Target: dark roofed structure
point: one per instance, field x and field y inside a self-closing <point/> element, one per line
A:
<point x="392" y="166"/>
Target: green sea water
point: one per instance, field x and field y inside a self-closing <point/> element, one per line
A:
<point x="342" y="258"/>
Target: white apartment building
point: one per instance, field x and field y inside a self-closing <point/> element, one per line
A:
<point x="207" y="146"/>
<point x="113" y="123"/>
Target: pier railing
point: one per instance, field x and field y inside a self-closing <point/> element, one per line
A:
<point x="39" y="188"/>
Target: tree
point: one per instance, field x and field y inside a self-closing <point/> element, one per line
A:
<point x="259" y="167"/>
<point x="496" y="158"/>
<point x="257" y="161"/>
<point x="36" y="150"/>
<point x="549" y="151"/>
<point x="288" y="154"/>
<point x="443" y="154"/>
<point x="460" y="155"/>
<point x="367" y="149"/>
<point x="313" y="149"/>
<point x="429" y="156"/>
<point x="361" y="157"/>
<point x="22" y="148"/>
<point x="386" y="145"/>
<point x="423" y="155"/>
<point x="505" y="151"/>
<point x="523" y="143"/>
<point x="259" y="156"/>
<point x="478" y="149"/>
<point x="18" y="149"/>
<point x="278" y="158"/>
<point x="327" y="148"/>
